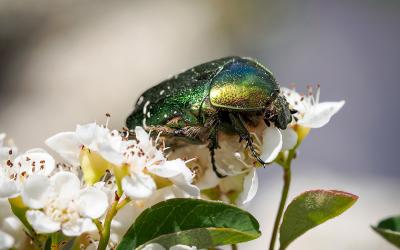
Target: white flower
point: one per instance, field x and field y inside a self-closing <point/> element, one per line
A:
<point x="108" y="144"/>
<point x="310" y="112"/>
<point x="63" y="204"/>
<point x="13" y="175"/>
<point x="146" y="162"/>
<point x="95" y="148"/>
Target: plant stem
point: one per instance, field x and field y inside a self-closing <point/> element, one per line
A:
<point x="105" y="233"/>
<point x="285" y="190"/>
<point x="54" y="241"/>
<point x="98" y="225"/>
<point x="122" y="203"/>
<point x="234" y="247"/>
<point x="104" y="230"/>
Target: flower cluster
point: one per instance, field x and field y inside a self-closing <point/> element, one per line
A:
<point x="110" y="177"/>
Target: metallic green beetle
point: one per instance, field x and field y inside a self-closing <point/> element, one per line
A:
<point x="222" y="95"/>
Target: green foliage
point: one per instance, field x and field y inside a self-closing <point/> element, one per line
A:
<point x="390" y="230"/>
<point x="310" y="209"/>
<point x="191" y="222"/>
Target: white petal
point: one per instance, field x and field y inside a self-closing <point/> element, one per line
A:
<point x="294" y="99"/>
<point x="44" y="163"/>
<point x="86" y="134"/>
<point x="92" y="203"/>
<point x="76" y="228"/>
<point x="35" y="191"/>
<point x="171" y="168"/>
<point x="8" y="188"/>
<point x="66" y="185"/>
<point x="289" y="139"/>
<point x="138" y="185"/>
<point x="67" y="145"/>
<point x="272" y="144"/>
<point x="41" y="222"/>
<point x="141" y="135"/>
<point x="110" y="154"/>
<point x="6" y="240"/>
<point x="154" y="246"/>
<point x="181" y="182"/>
<point x="320" y="114"/>
<point x="4" y="152"/>
<point x="108" y="190"/>
<point x="178" y="173"/>
<point x="182" y="247"/>
<point x="250" y="187"/>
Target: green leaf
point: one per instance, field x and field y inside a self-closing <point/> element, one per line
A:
<point x="310" y="209"/>
<point x="390" y="230"/>
<point x="191" y="222"/>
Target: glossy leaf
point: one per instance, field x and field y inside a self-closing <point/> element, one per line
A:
<point x="390" y="230"/>
<point x="310" y="209"/>
<point x="191" y="222"/>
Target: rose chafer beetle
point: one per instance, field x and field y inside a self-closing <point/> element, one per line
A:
<point x="222" y="95"/>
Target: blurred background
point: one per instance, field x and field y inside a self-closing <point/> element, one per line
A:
<point x="69" y="62"/>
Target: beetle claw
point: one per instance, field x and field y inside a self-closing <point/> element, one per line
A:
<point x="254" y="153"/>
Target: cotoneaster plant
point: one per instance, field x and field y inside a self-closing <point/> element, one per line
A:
<point x="178" y="176"/>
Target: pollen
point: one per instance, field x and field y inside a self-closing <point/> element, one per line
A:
<point x="9" y="163"/>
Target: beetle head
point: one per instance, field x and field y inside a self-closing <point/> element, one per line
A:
<point x="280" y="114"/>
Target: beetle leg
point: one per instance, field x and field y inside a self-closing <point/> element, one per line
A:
<point x="267" y="122"/>
<point x="212" y="146"/>
<point x="238" y="124"/>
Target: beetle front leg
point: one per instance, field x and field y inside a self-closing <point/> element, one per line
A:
<point x="238" y="124"/>
<point x="212" y="146"/>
